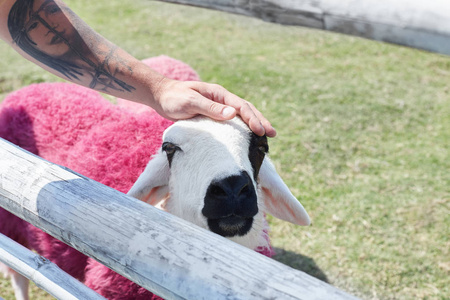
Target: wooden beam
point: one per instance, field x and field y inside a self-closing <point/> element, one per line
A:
<point x="413" y="23"/>
<point x="165" y="254"/>
<point x="45" y="274"/>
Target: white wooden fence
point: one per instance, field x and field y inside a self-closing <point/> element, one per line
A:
<point x="45" y="274"/>
<point x="414" y="23"/>
<point x="162" y="253"/>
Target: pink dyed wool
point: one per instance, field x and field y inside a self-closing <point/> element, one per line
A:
<point x="77" y="128"/>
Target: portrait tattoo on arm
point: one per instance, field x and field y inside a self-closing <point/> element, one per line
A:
<point x="52" y="34"/>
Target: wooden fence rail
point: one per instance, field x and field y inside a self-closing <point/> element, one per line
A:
<point x="45" y="274"/>
<point x="413" y="23"/>
<point x="158" y="251"/>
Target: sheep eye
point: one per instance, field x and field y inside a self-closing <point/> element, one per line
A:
<point x="170" y="148"/>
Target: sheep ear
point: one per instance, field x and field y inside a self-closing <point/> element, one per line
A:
<point x="152" y="185"/>
<point x="277" y="197"/>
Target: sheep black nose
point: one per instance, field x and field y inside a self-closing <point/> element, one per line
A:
<point x="230" y="205"/>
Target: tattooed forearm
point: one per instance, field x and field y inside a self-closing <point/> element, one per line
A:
<point x="49" y="32"/>
<point x="105" y="73"/>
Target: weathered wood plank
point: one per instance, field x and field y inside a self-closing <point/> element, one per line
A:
<point x="160" y="252"/>
<point x="45" y="274"/>
<point x="413" y="23"/>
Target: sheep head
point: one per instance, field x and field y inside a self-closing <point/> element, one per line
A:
<point x="217" y="175"/>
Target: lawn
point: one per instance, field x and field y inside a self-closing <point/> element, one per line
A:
<point x="363" y="136"/>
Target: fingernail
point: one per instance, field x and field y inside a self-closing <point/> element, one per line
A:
<point x="228" y="111"/>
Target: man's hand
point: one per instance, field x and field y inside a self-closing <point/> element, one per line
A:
<point x="177" y="100"/>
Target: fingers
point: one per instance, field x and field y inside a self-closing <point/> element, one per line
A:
<point x="247" y="111"/>
<point x="179" y="100"/>
<point x="256" y="120"/>
<point x="183" y="100"/>
<point x="250" y="117"/>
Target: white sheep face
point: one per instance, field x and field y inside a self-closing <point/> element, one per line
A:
<point x="215" y="175"/>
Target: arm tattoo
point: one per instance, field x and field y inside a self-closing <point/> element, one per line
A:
<point x="51" y="33"/>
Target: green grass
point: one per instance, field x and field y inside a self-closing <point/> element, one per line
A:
<point x="363" y="135"/>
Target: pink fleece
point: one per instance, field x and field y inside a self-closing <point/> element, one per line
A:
<point x="77" y="128"/>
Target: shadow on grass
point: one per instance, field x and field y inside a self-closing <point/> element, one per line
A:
<point x="299" y="262"/>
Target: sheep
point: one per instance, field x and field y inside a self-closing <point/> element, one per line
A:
<point x="114" y="145"/>
<point x="228" y="159"/>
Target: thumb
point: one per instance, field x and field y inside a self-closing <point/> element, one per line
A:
<point x="216" y="110"/>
